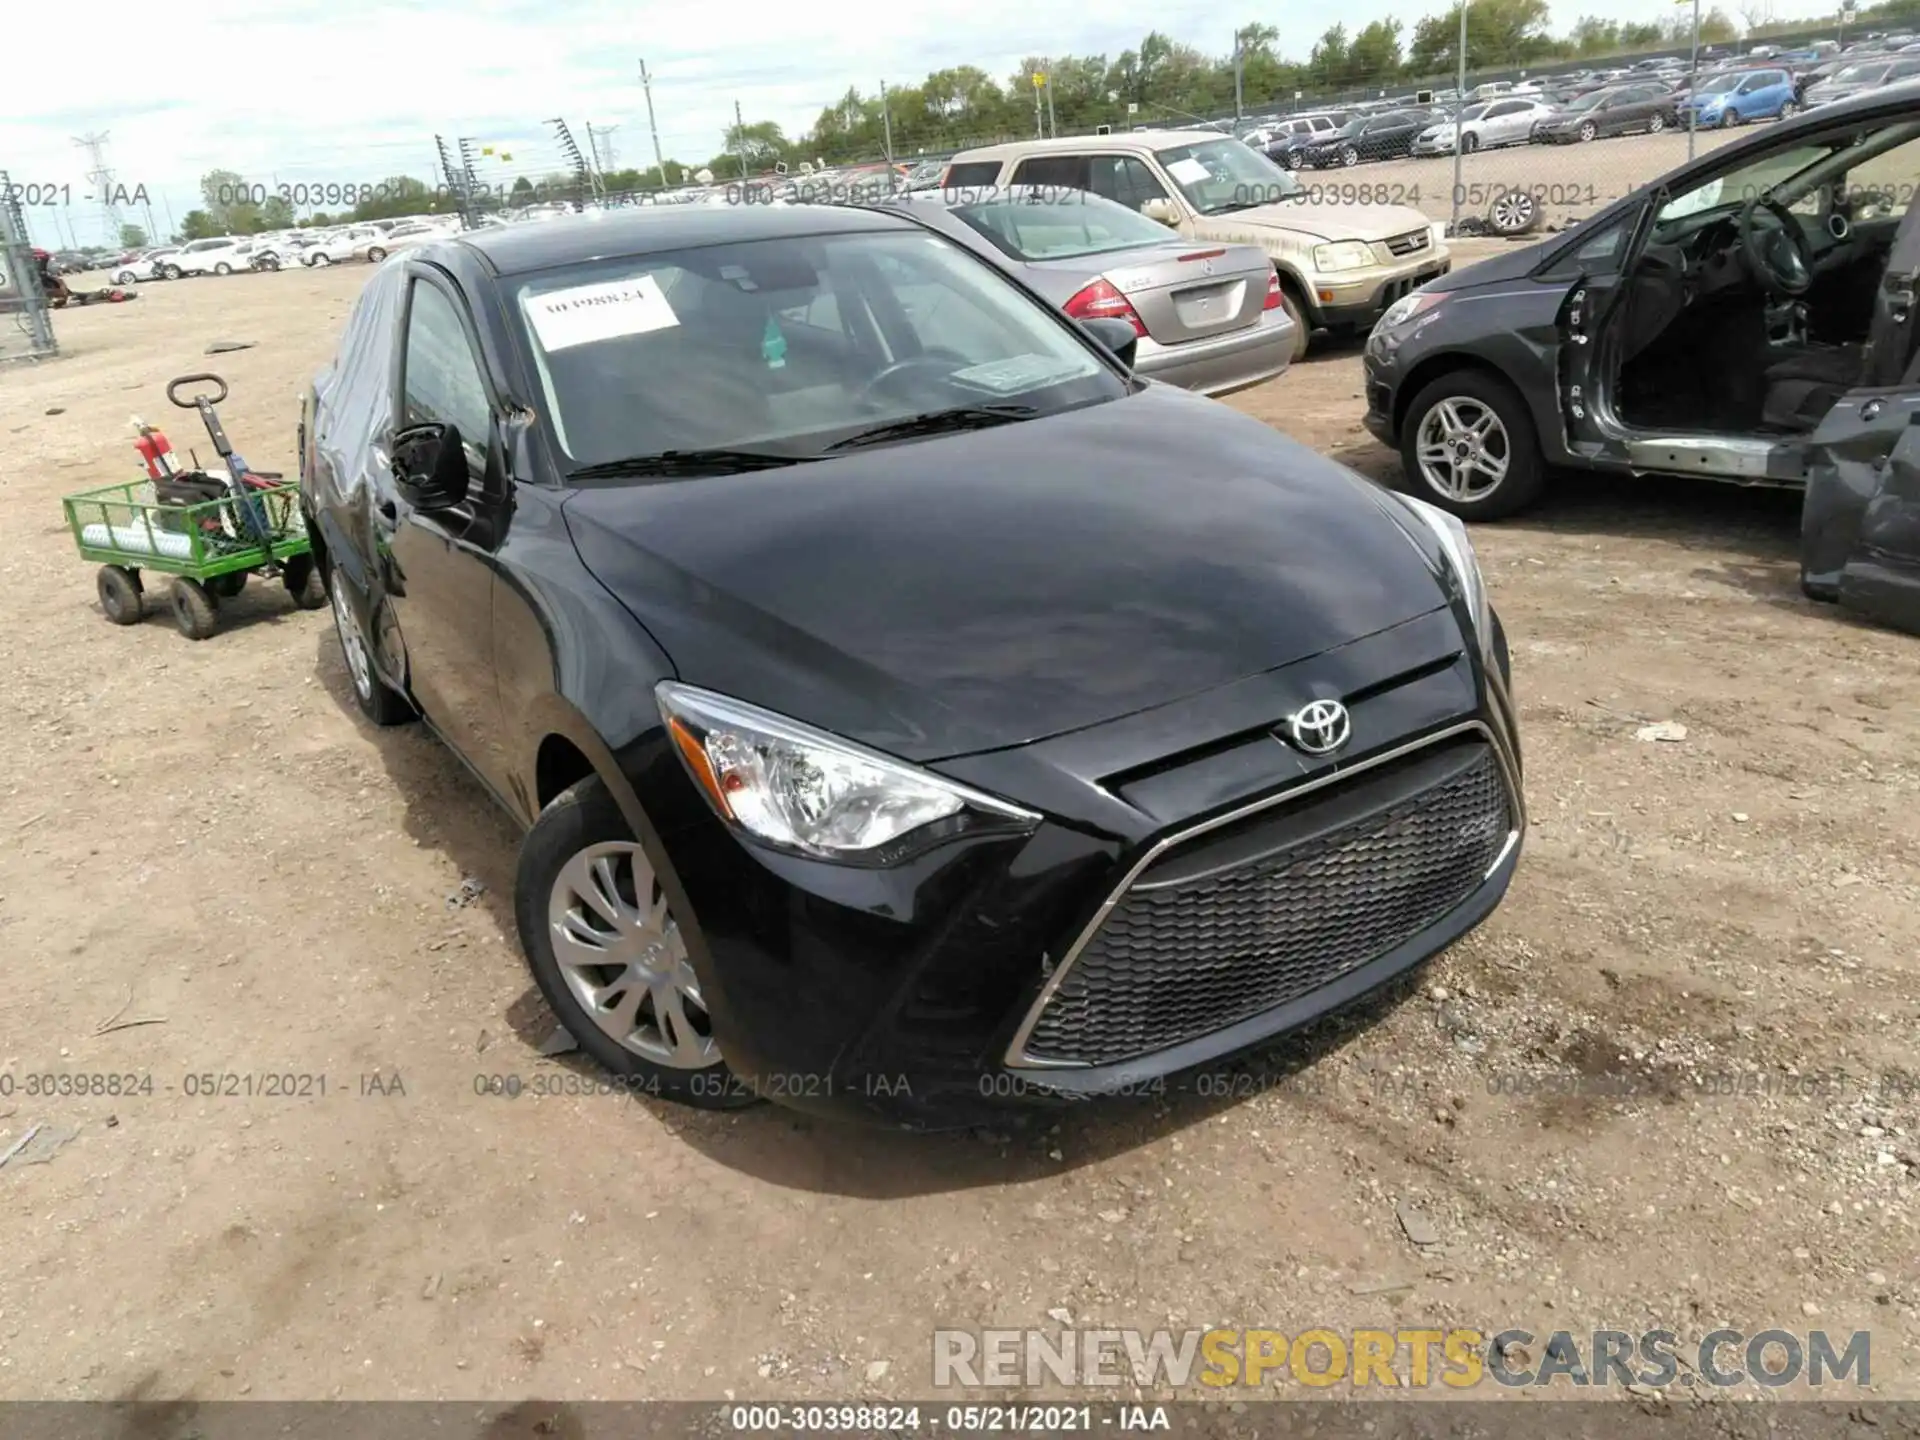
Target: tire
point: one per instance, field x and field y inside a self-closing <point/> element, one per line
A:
<point x="1789" y="110"/>
<point x="194" y="609"/>
<point x="318" y="259"/>
<point x="1469" y="143"/>
<point x="1290" y="159"/>
<point x="1524" y="473"/>
<point x="225" y="587"/>
<point x="125" y="277"/>
<point x="1588" y="130"/>
<point x="375" y="254"/>
<point x="221" y="267"/>
<point x="1514" y="212"/>
<point x="1729" y="118"/>
<point x="679" y="1061"/>
<point x="1656" y="124"/>
<point x="120" y="598"/>
<point x="171" y="272"/>
<point x="378" y="701"/>
<point x="1303" y="334"/>
<point x="1350" y="156"/>
<point x="304" y="582"/>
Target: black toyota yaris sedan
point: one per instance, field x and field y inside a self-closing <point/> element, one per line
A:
<point x="910" y="711"/>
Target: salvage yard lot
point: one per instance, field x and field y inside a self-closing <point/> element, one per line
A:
<point x="1671" y="1083"/>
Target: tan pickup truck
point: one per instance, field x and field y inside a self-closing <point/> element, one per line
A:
<point x="1345" y="250"/>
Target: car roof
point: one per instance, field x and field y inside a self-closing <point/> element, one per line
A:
<point x="648" y="229"/>
<point x="1136" y="140"/>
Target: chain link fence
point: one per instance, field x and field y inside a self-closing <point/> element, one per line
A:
<point x="26" y="326"/>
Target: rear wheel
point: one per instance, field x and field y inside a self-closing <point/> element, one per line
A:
<point x="194" y="610"/>
<point x="120" y="598"/>
<point x="221" y="267"/>
<point x="1469" y="446"/>
<point x="170" y="272"/>
<point x="379" y="702"/>
<point x="375" y="255"/>
<point x="608" y="953"/>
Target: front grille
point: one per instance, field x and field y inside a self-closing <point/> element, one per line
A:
<point x="1182" y="957"/>
<point x="1411" y="243"/>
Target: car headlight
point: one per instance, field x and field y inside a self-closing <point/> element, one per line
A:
<point x="1465" y="565"/>
<point x="1407" y="308"/>
<point x="800" y="789"/>
<point x="1343" y="255"/>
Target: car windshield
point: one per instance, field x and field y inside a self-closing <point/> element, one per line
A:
<point x="1219" y="176"/>
<point x="786" y="347"/>
<point x="1765" y="175"/>
<point x="1588" y="101"/>
<point x="1473" y="112"/>
<point x="1860" y="74"/>
<point x="1718" y="84"/>
<point x="1054" y="226"/>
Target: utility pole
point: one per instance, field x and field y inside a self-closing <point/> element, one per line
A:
<point x="1459" y="104"/>
<point x="1693" y="83"/>
<point x="740" y="139"/>
<point x="1239" y="71"/>
<point x="886" y="122"/>
<point x="102" y="180"/>
<point x="1039" y="124"/>
<point x="659" y="160"/>
<point x="1053" y="125"/>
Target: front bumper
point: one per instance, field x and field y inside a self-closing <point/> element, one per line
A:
<point x="1223" y="363"/>
<point x="943" y="992"/>
<point x="1439" y="145"/>
<point x="1346" y="304"/>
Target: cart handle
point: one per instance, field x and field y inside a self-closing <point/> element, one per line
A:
<point x="179" y="380"/>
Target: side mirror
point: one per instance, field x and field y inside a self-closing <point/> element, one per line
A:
<point x="430" y="467"/>
<point x="1115" y="336"/>
<point x="1162" y="209"/>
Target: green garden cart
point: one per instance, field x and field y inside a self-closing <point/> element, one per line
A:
<point x="209" y="534"/>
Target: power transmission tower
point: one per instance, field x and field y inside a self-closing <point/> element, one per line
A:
<point x="101" y="178"/>
<point x="600" y="142"/>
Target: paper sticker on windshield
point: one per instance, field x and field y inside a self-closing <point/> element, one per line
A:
<point x="1189" y="171"/>
<point x="1019" y="372"/>
<point x="583" y="314"/>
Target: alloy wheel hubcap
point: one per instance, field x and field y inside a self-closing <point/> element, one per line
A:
<point x="1463" y="449"/>
<point x="1513" y="210"/>
<point x="624" y="960"/>
<point x="350" y="642"/>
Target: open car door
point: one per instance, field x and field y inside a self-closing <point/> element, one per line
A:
<point x="1589" y="349"/>
<point x="1860" y="523"/>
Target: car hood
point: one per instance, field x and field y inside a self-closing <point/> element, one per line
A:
<point x="966" y="593"/>
<point x="1514" y="262"/>
<point x="1327" y="221"/>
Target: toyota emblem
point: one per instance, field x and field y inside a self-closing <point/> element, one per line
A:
<point x="1319" y="728"/>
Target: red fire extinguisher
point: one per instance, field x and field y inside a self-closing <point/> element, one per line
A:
<point x="155" y="450"/>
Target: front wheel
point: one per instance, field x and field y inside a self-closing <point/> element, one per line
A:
<point x="609" y="954"/>
<point x="1469" y="143"/>
<point x="1588" y="130"/>
<point x="1729" y="118"/>
<point x="1469" y="446"/>
<point x="171" y="272"/>
<point x="1302" y="327"/>
<point x="120" y="599"/>
<point x="194" y="610"/>
<point x="1350" y="156"/>
<point x="222" y="268"/>
<point x="319" y="259"/>
<point x="1656" y="124"/>
<point x="1789" y="110"/>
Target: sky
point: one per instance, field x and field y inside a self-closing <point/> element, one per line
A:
<point x="315" y="93"/>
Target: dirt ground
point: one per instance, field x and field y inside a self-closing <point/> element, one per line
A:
<point x="205" y="836"/>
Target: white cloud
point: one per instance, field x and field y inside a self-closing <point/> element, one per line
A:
<point x="294" y="93"/>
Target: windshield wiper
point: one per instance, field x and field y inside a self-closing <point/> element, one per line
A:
<point x="686" y="462"/>
<point x="938" y="422"/>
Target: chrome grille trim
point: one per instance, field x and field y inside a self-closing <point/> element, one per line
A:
<point x="1016" y="1057"/>
<point x="1411" y="243"/>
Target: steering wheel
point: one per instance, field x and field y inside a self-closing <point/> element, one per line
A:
<point x="1777" y="252"/>
<point x="925" y="360"/>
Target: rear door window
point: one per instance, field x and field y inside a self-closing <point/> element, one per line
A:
<point x="1055" y="172"/>
<point x="970" y="173"/>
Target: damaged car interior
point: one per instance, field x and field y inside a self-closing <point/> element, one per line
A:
<point x="1762" y="296"/>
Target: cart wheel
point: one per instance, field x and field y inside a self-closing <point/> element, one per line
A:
<point x="194" y="609"/>
<point x="225" y="587"/>
<point x="304" y="582"/>
<point x="120" y="595"/>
